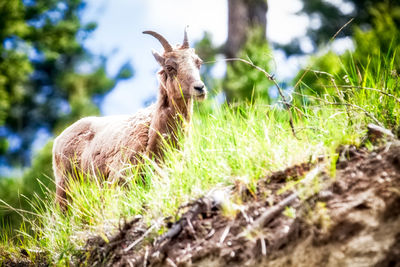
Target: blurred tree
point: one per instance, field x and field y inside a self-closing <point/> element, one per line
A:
<point x="243" y="16"/>
<point x="247" y="23"/>
<point x="380" y="42"/>
<point x="47" y="77"/>
<point x="383" y="37"/>
<point x="327" y="17"/>
<point x="208" y="52"/>
<point x="47" y="80"/>
<point x="22" y="192"/>
<point x="242" y="81"/>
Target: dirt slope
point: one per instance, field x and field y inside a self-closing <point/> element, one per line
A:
<point x="350" y="220"/>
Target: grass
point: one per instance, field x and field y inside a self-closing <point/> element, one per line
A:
<point x="226" y="145"/>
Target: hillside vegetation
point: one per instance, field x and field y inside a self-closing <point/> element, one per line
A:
<point x="228" y="145"/>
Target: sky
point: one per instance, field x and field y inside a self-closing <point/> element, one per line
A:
<point x="119" y="36"/>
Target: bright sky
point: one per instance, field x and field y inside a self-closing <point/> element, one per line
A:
<point x="119" y="35"/>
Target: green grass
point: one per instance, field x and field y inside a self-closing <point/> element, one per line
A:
<point x="226" y="145"/>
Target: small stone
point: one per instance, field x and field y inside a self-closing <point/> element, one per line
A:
<point x="379" y="157"/>
<point x="377" y="132"/>
<point x="384" y="174"/>
<point x="381" y="181"/>
<point x="325" y="195"/>
<point x="232" y="254"/>
<point x="286" y="229"/>
<point x="229" y="243"/>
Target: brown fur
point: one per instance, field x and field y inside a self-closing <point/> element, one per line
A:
<point x="103" y="145"/>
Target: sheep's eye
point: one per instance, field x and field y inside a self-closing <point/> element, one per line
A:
<point x="199" y="62"/>
<point x="170" y="68"/>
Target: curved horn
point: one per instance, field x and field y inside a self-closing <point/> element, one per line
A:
<point x="185" y="43"/>
<point x="163" y="41"/>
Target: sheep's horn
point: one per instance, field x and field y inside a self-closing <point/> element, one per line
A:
<point x="185" y="43"/>
<point x="163" y="41"/>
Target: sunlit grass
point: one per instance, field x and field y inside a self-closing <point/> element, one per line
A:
<point x="224" y="145"/>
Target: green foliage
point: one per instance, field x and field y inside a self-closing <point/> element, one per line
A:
<point x="10" y="194"/>
<point x="208" y="53"/>
<point x="354" y="85"/>
<point x="19" y="193"/>
<point x="39" y="174"/>
<point x="242" y="82"/>
<point x="370" y="71"/>
<point x="41" y="87"/>
<point x="125" y="72"/>
<point x="47" y="81"/>
<point x="14" y="71"/>
<point x="327" y="17"/>
<point x="317" y="80"/>
<point x="3" y="146"/>
<point x="384" y="36"/>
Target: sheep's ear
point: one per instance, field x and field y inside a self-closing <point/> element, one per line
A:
<point x="160" y="59"/>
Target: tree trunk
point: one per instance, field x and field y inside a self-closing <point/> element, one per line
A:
<point x="243" y="15"/>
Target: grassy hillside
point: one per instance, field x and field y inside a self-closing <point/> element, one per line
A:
<point x="226" y="145"/>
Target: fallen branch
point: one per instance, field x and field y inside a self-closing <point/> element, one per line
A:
<point x="137" y="241"/>
<point x="177" y="227"/>
<point x="225" y="234"/>
<point x="268" y="215"/>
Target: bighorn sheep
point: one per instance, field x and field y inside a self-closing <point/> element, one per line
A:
<point x="103" y="145"/>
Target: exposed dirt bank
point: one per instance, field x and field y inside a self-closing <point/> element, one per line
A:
<point x="350" y="220"/>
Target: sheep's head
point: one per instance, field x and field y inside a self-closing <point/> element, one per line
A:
<point x="180" y="69"/>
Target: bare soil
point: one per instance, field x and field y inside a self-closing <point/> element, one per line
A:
<point x="347" y="218"/>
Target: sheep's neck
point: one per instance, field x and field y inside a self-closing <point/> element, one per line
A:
<point x="176" y="111"/>
<point x="171" y="116"/>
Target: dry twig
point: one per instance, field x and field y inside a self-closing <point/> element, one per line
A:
<point x="271" y="78"/>
<point x="344" y="26"/>
<point x="331" y="40"/>
<point x="343" y="104"/>
<point x="137" y="241"/>
<point x="225" y="234"/>
<point x="338" y="92"/>
<point x="269" y="214"/>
